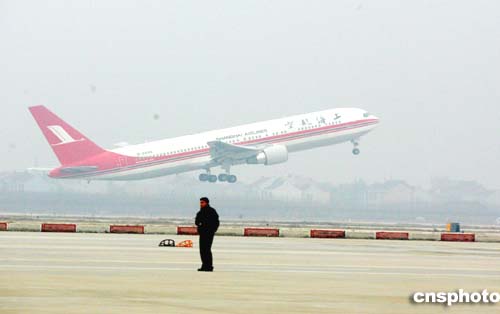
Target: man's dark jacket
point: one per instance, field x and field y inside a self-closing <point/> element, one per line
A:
<point x="207" y="221"/>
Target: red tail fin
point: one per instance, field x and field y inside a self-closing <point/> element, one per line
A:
<point x="69" y="145"/>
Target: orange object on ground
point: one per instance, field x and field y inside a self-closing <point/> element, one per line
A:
<point x="186" y="243"/>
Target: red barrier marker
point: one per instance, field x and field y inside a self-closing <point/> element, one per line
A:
<point x="324" y="233"/>
<point x="461" y="237"/>
<point x="46" y="227"/>
<point x="187" y="230"/>
<point x="3" y="226"/>
<point x="391" y="235"/>
<point x="126" y="229"/>
<point x="261" y="232"/>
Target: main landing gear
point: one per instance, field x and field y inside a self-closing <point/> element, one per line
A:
<point x="225" y="177"/>
<point x="212" y="178"/>
<point x="207" y="177"/>
<point x="355" y="150"/>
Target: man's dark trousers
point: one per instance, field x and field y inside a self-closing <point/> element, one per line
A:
<point x="206" y="240"/>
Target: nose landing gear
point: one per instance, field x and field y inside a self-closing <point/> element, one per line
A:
<point x="355" y="150"/>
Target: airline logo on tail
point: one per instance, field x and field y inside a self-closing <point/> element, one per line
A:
<point x="62" y="135"/>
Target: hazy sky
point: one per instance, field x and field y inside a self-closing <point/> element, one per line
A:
<point x="429" y="69"/>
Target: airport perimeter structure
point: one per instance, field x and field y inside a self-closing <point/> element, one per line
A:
<point x="378" y="231"/>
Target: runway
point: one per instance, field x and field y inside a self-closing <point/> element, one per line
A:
<point x="114" y="273"/>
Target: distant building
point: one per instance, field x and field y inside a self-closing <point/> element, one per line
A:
<point x="493" y="198"/>
<point x="258" y="190"/>
<point x="291" y="189"/>
<point x="316" y="194"/>
<point x="283" y="189"/>
<point x="350" y="195"/>
<point x="391" y="192"/>
<point x="445" y="190"/>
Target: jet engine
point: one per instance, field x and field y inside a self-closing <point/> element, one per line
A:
<point x="270" y="156"/>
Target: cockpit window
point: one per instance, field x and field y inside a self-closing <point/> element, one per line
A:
<point x="366" y="114"/>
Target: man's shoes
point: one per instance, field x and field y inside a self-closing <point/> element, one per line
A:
<point x="206" y="269"/>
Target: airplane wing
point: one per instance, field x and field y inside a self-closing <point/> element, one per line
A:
<point x="220" y="151"/>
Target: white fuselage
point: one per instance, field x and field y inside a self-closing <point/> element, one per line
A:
<point x="191" y="152"/>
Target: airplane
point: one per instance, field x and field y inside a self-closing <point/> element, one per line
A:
<point x="261" y="143"/>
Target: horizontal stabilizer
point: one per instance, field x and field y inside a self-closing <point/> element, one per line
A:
<point x="37" y="170"/>
<point x="80" y="169"/>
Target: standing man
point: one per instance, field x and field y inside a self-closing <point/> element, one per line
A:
<point x="207" y="221"/>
